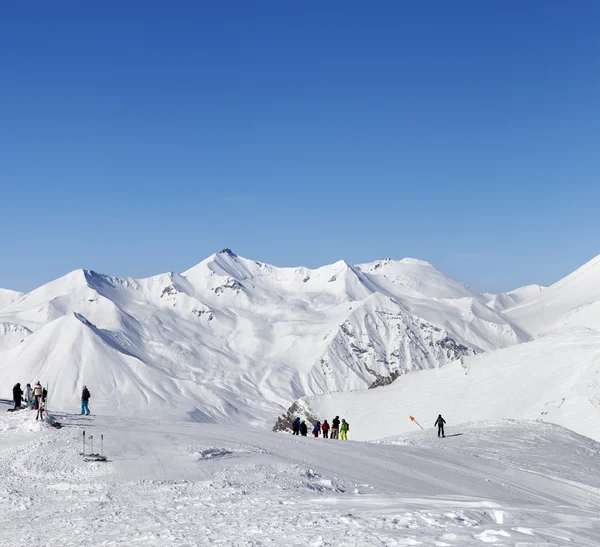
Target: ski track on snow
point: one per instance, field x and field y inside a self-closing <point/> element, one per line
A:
<point x="181" y="484"/>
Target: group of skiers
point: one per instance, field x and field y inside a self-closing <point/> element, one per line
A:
<point x="34" y="396"/>
<point x="339" y="430"/>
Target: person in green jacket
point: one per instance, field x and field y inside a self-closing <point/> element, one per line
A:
<point x="344" y="430"/>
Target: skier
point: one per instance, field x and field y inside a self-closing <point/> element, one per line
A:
<point x="296" y="427"/>
<point x="37" y="395"/>
<point x="303" y="429"/>
<point x="344" y="430"/>
<point x="440" y="425"/>
<point x="317" y="429"/>
<point x="335" y="428"/>
<point x="325" y="429"/>
<point x="85" y="397"/>
<point x="28" y="394"/>
<point x="17" y="395"/>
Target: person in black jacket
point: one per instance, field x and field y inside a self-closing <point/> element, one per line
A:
<point x="17" y="395"/>
<point x="296" y="427"/>
<point x="335" y="428"/>
<point x="440" y="425"/>
<point x="85" y="397"/>
<point x="303" y="428"/>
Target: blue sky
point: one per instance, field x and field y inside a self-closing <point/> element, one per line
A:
<point x="140" y="137"/>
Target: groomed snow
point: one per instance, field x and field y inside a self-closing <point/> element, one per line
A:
<point x="187" y="484"/>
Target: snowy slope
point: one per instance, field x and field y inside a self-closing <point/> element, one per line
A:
<point x="8" y="297"/>
<point x="518" y="297"/>
<point x="555" y="378"/>
<point x="182" y="484"/>
<point x="572" y="301"/>
<point x="234" y="339"/>
<point x="417" y="276"/>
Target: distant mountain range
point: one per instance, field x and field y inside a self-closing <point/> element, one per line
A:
<point x="233" y="339"/>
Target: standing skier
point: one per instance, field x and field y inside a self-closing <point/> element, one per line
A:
<point x="317" y="429"/>
<point x="335" y="428"/>
<point x="296" y="427"/>
<point x="325" y="429"/>
<point x="28" y="394"/>
<point x="303" y="428"/>
<point x="17" y="395"/>
<point x="37" y="395"/>
<point x="344" y="430"/>
<point x="440" y="425"/>
<point x="85" y="397"/>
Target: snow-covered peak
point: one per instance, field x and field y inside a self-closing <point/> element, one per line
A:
<point x="572" y="301"/>
<point x="418" y="276"/>
<point x="235" y="338"/>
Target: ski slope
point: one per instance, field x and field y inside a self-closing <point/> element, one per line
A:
<point x="555" y="378"/>
<point x="235" y="340"/>
<point x="184" y="483"/>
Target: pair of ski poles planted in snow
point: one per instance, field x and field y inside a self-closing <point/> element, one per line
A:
<point x="91" y="457"/>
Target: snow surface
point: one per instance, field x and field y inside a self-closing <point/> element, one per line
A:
<point x="514" y="298"/>
<point x="555" y="378"/>
<point x="571" y="302"/>
<point x="188" y="484"/>
<point x="8" y="297"/>
<point x="236" y="340"/>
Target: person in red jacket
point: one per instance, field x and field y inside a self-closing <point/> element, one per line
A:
<point x="325" y="429"/>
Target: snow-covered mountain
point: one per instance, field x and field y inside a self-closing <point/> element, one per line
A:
<point x="8" y="297"/>
<point x="511" y="299"/>
<point x="573" y="301"/>
<point x="234" y="339"/>
<point x="555" y="378"/>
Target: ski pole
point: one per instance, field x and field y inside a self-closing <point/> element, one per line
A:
<point x="92" y="443"/>
<point x="102" y="445"/>
<point x="84" y="443"/>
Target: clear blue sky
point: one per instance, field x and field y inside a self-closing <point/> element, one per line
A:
<point x="140" y="137"/>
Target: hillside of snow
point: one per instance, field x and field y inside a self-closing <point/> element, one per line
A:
<point x="514" y="298"/>
<point x="182" y="484"/>
<point x="237" y="340"/>
<point x="571" y="302"/>
<point x="555" y="378"/>
<point x="8" y="297"/>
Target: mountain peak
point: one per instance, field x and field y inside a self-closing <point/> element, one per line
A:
<point x="415" y="261"/>
<point x="228" y="252"/>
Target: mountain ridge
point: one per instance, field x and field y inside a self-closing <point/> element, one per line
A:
<point x="236" y="339"/>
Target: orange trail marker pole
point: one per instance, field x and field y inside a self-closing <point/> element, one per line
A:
<point x="413" y="420"/>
